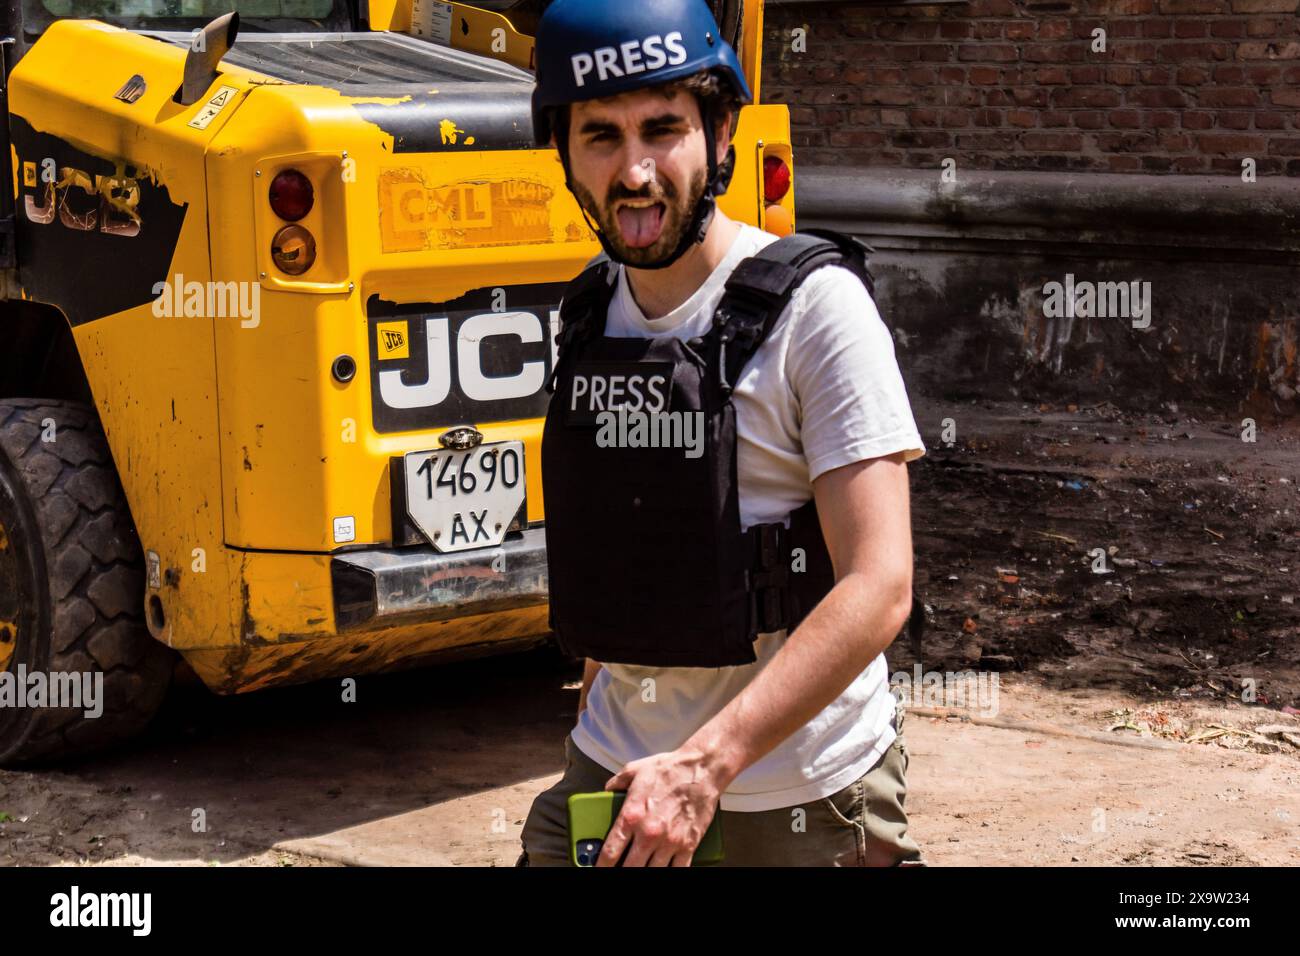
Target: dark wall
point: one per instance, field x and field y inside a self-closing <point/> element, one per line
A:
<point x="1184" y="86"/>
<point x="963" y="272"/>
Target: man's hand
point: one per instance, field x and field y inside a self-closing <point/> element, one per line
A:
<point x="671" y="799"/>
<point x="863" y="508"/>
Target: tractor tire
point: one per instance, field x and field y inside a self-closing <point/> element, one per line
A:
<point x="71" y="585"/>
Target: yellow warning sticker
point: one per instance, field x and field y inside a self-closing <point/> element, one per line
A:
<point x="213" y="107"/>
<point x="393" y="343"/>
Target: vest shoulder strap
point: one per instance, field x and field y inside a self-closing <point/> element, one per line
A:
<point x="583" y="309"/>
<point x="761" y="286"/>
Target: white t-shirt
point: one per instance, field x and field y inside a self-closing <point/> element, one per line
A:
<point x="822" y="391"/>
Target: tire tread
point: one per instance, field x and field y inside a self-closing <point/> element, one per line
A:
<point x="96" y="580"/>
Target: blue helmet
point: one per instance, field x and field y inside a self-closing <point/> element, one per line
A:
<point x="589" y="49"/>
<point x="592" y="49"/>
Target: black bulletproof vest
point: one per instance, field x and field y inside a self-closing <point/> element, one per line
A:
<point x="647" y="560"/>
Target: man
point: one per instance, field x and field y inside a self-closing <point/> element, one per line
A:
<point x="692" y="701"/>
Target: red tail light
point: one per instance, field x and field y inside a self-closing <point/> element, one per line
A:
<point x="776" y="179"/>
<point x="291" y="195"/>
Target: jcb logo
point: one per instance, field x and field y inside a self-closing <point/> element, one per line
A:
<point x="484" y="357"/>
<point x="392" y="341"/>
<point x="81" y="200"/>
<point x="475" y="381"/>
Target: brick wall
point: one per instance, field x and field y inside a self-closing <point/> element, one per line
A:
<point x="1184" y="86"/>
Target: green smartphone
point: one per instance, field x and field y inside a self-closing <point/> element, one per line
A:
<point x="591" y="815"/>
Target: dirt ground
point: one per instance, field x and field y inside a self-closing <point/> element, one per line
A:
<point x="1145" y="708"/>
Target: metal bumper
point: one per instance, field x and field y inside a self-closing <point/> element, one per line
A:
<point x="413" y="585"/>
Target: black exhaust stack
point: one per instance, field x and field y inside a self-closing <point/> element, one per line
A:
<point x="206" y="50"/>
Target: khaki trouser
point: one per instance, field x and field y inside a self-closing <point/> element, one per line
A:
<point x="862" y="825"/>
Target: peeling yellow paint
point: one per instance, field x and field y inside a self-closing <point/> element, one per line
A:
<point x="450" y="132"/>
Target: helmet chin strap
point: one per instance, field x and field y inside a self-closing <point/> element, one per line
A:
<point x="701" y="217"/>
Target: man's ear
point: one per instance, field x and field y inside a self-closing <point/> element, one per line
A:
<point x="723" y="131"/>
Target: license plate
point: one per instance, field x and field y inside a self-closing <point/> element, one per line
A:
<point x="465" y="499"/>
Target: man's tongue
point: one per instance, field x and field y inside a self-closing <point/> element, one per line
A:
<point x="641" y="227"/>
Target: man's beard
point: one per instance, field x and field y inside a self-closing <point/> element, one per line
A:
<point x="677" y="216"/>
